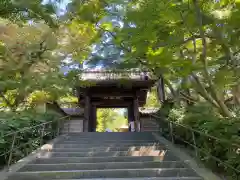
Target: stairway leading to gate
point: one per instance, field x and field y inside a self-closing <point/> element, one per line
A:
<point x="106" y="156"/>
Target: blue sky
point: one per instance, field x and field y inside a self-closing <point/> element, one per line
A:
<point x="61" y="6"/>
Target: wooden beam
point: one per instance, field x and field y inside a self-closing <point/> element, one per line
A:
<point x="112" y="94"/>
<point x="113" y="103"/>
<point x="136" y="112"/>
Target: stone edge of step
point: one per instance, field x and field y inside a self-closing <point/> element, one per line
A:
<point x="76" y="172"/>
<point x="70" y="141"/>
<point x="122" y="154"/>
<point x="98" y="152"/>
<point x="102" y="170"/>
<point x="146" y="178"/>
<point x="102" y="166"/>
<point x="95" y="145"/>
<point x="106" y="142"/>
<point x="133" y="162"/>
<point x="95" y="157"/>
<point x="100" y="149"/>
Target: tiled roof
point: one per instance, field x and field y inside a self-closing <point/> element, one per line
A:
<point x="148" y="110"/>
<point x="73" y="111"/>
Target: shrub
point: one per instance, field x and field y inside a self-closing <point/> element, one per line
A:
<point x="205" y="119"/>
<point x="27" y="140"/>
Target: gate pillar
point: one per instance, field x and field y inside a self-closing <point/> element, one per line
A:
<point x="86" y="113"/>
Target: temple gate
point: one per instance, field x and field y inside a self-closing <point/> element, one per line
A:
<point x="107" y="89"/>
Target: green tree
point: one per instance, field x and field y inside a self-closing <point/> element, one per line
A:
<point x="21" y="11"/>
<point x="191" y="43"/>
<point x="26" y="61"/>
<point x="32" y="54"/>
<point x="102" y="117"/>
<point x="152" y="98"/>
<point x="109" y="118"/>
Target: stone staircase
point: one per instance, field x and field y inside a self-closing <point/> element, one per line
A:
<point x="106" y="156"/>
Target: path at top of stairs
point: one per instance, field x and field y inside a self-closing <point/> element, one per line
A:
<point x="135" y="156"/>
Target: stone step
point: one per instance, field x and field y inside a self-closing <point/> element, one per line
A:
<point x="106" y="149"/>
<point x="101" y="166"/>
<point x="129" y="134"/>
<point x="35" y="177"/>
<point x="145" y="178"/>
<point x="99" y="144"/>
<point x="56" y="160"/>
<point x="106" y="139"/>
<point x="105" y="154"/>
<point x="97" y="141"/>
<point x="112" y="135"/>
<point x="87" y="140"/>
<point x="110" y="173"/>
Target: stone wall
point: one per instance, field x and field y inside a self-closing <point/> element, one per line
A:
<point x="73" y="125"/>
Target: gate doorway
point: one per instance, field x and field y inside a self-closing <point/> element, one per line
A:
<point x="112" y="119"/>
<point x="119" y="90"/>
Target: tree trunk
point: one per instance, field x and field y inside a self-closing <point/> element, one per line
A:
<point x="161" y="90"/>
<point x="222" y="107"/>
<point x="214" y="99"/>
<point x="174" y="93"/>
<point x="236" y="94"/>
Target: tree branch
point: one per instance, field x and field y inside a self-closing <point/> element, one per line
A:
<point x="6" y="100"/>
<point x="224" y="109"/>
<point x="203" y="92"/>
<point x="188" y="98"/>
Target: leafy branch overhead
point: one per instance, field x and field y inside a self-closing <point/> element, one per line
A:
<point x="34" y="44"/>
<point x="190" y="43"/>
<point x="23" y="10"/>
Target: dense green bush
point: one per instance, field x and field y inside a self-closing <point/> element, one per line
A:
<point x="205" y="119"/>
<point x="28" y="139"/>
